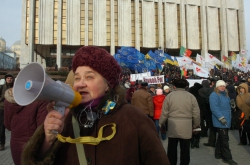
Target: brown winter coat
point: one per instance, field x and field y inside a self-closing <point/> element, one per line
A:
<point x="143" y="100"/>
<point x="135" y="142"/>
<point x="241" y="101"/>
<point x="22" y="121"/>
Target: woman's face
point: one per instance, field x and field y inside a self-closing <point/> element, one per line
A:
<point x="221" y="88"/>
<point x="242" y="90"/>
<point x="89" y="83"/>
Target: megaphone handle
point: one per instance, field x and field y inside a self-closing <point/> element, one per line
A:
<point x="60" y="109"/>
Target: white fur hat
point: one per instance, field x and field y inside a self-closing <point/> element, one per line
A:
<point x="159" y="92"/>
<point x="220" y="83"/>
<point x="165" y="87"/>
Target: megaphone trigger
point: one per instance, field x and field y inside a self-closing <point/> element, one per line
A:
<point x="60" y="109"/>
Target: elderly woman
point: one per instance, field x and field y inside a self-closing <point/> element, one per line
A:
<point x="221" y="117"/>
<point x="124" y="134"/>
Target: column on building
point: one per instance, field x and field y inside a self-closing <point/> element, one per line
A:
<point x="32" y="4"/>
<point x="192" y="26"/>
<point x="137" y="24"/>
<point x="99" y="23"/>
<point x="242" y="25"/>
<point x="124" y="23"/>
<point x="73" y="18"/>
<point x="59" y="35"/>
<point x="148" y="28"/>
<point x="223" y="25"/>
<point x="203" y="15"/>
<point x="160" y="25"/>
<point x="112" y="27"/>
<point x="183" y="23"/>
<point x="86" y="23"/>
<point x="171" y="25"/>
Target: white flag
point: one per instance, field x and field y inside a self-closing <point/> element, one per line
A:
<point x="199" y="71"/>
<point x="200" y="60"/>
<point x="211" y="58"/>
<point x="183" y="60"/>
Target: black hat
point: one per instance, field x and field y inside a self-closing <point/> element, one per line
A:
<point x="8" y="75"/>
<point x="151" y="86"/>
<point x="144" y="84"/>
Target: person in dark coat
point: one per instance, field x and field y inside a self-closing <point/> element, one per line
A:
<point x="9" y="81"/>
<point x="195" y="140"/>
<point x="129" y="93"/>
<point x="143" y="100"/>
<point x="22" y="121"/>
<point x="152" y="90"/>
<point x="110" y="130"/>
<point x="232" y="95"/>
<point x="205" y="93"/>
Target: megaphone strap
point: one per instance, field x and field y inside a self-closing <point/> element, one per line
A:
<point x="88" y="139"/>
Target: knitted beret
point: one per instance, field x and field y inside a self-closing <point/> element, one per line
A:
<point x="220" y="83"/>
<point x="165" y="87"/>
<point x="159" y="92"/>
<point x="99" y="60"/>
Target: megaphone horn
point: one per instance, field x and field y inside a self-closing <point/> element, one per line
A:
<point x="32" y="83"/>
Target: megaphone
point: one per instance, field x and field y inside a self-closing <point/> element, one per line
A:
<point x="32" y="83"/>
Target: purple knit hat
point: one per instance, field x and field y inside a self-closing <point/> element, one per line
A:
<point x="99" y="60"/>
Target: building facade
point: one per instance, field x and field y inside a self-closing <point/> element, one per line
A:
<point x="16" y="48"/>
<point x="52" y="30"/>
<point x="7" y="57"/>
<point x="2" y="45"/>
<point x="7" y="61"/>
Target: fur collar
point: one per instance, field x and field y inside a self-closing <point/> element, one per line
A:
<point x="116" y="94"/>
<point x="9" y="95"/>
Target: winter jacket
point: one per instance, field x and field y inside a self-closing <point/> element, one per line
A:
<point x="220" y="107"/>
<point x="136" y="141"/>
<point x="158" y="101"/>
<point x="181" y="110"/>
<point x="22" y="121"/>
<point x="142" y="99"/>
<point x="241" y="101"/>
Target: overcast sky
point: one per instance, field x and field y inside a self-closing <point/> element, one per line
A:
<point x="10" y="21"/>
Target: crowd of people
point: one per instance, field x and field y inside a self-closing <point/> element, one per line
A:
<point x="129" y="117"/>
<point x="223" y="104"/>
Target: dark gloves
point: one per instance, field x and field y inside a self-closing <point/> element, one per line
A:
<point x="223" y="121"/>
<point x="163" y="129"/>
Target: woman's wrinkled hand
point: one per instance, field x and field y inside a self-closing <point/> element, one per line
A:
<point x="54" y="122"/>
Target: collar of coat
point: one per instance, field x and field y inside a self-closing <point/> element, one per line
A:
<point x="116" y="94"/>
